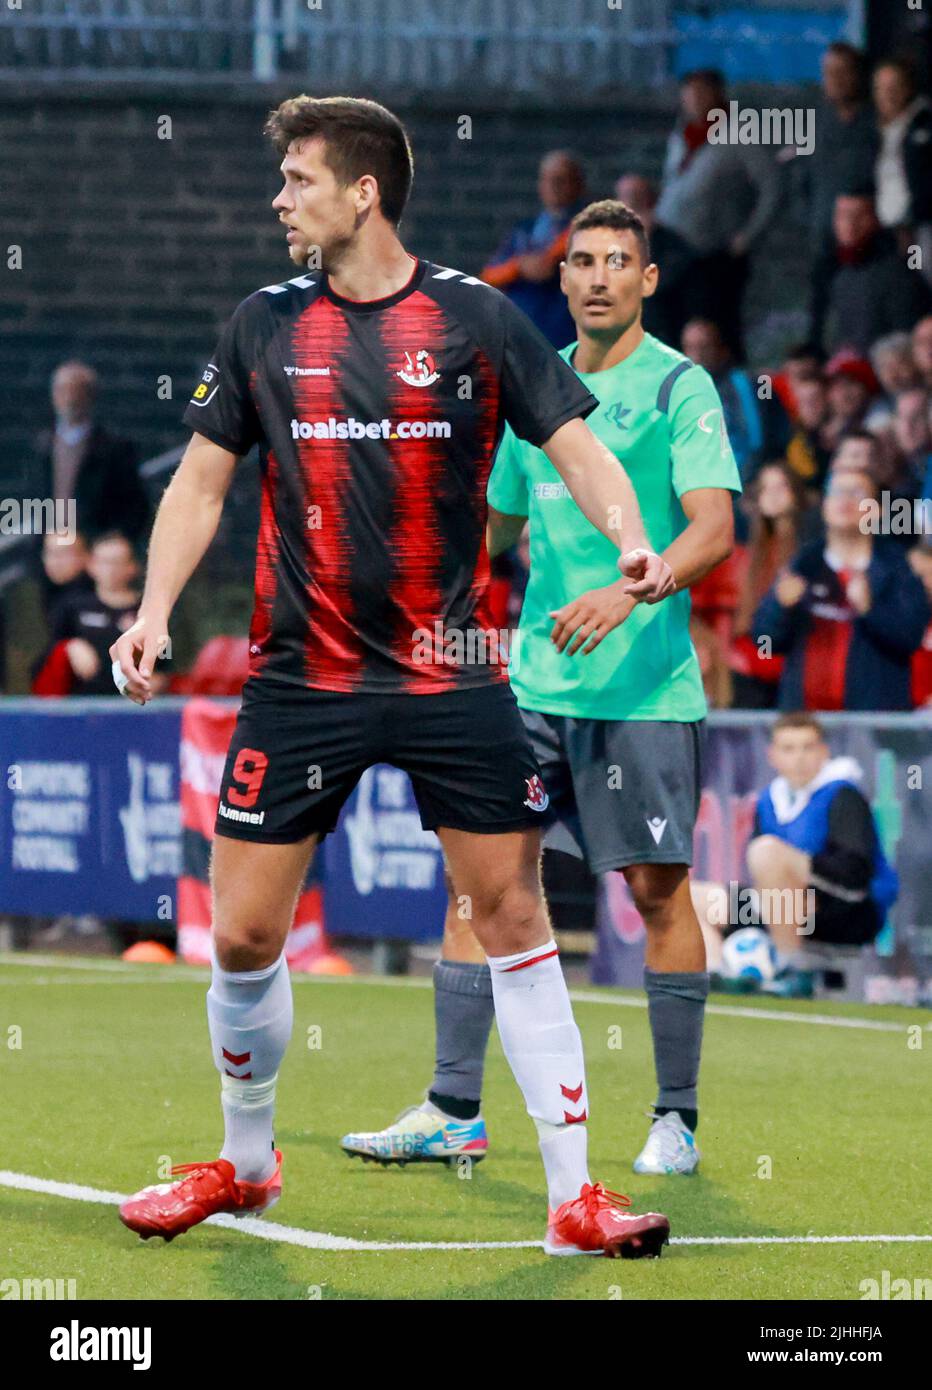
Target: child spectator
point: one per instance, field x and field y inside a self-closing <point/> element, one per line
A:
<point x="814" y="834"/>
<point x="89" y="623"/>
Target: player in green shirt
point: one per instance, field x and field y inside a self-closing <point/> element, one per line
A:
<point x="610" y="690"/>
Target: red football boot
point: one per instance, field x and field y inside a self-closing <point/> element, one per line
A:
<point x="207" y="1188"/>
<point x="592" y="1224"/>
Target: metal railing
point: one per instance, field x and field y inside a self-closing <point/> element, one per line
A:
<point x="435" y="46"/>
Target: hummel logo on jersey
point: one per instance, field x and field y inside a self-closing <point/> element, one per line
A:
<point x="419" y="369"/>
<point x="306" y="371"/>
<point x="656" y="826"/>
<point x="537" y="798"/>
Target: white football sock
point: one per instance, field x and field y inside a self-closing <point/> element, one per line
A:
<point x="564" y="1149"/>
<point x="544" y="1050"/>
<point x="250" y="1016"/>
<point x="248" y="1123"/>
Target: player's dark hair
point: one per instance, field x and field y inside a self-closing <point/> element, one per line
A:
<point x="797" y="720"/>
<point x="360" y="137"/>
<point x="617" y="216"/>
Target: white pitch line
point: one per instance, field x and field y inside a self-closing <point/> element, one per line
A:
<point x="321" y="1240"/>
<point x="125" y="972"/>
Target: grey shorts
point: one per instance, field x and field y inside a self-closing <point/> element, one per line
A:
<point x="621" y="791"/>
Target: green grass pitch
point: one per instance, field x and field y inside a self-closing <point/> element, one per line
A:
<point x="105" y="1073"/>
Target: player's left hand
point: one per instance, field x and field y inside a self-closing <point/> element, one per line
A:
<point x="590" y="617"/>
<point x="652" y="576"/>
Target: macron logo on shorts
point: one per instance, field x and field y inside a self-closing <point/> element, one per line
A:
<point x="656" y="826"/>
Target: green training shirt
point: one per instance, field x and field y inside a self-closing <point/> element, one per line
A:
<point x="661" y="416"/>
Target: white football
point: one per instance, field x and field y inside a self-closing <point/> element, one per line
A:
<point x="749" y="954"/>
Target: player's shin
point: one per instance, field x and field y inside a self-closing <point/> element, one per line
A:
<point x="676" y="1008"/>
<point x="544" y="1050"/>
<point x="250" y="1016"/>
<point x="463" y="1011"/>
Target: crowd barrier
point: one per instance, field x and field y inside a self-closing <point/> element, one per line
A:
<point x="91" y="821"/>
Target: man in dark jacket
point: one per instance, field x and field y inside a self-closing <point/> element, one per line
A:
<point x="862" y="288"/>
<point x="904" y="162"/>
<point x="80" y="460"/>
<point x="848" y="614"/>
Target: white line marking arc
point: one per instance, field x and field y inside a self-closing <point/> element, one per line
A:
<point x="321" y="1240"/>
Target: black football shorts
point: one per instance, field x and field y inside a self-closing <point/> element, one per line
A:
<point x="296" y="755"/>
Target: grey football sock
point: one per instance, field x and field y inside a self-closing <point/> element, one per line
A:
<point x="464" y="1010"/>
<point x="676" y="1006"/>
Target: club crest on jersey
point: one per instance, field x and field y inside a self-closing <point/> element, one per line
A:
<point x="419" y="369"/>
<point x="537" y="798"/>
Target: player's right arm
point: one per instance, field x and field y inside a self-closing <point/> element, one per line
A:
<point x="185" y="525"/>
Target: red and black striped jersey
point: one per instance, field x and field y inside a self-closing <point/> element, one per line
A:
<point x="377" y="422"/>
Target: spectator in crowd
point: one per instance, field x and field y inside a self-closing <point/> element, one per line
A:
<point x="892" y="360"/>
<point x="64" y="570"/>
<point x="801" y="363"/>
<point x="846" y="145"/>
<point x="80" y="460"/>
<point x="909" y="439"/>
<point x="921" y="339"/>
<point x="757" y="428"/>
<point x="848" y="613"/>
<point x="814" y="834"/>
<point x="815" y="860"/>
<point x="526" y="267"/>
<point x="920" y="560"/>
<point x="668" y="309"/>
<point x="904" y="163"/>
<point x="861" y="286"/>
<point x="859" y="451"/>
<point x="719" y="197"/>
<point x="781" y="519"/>
<point x="852" y="387"/>
<point x="89" y="623"/>
<point x="808" y="450"/>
